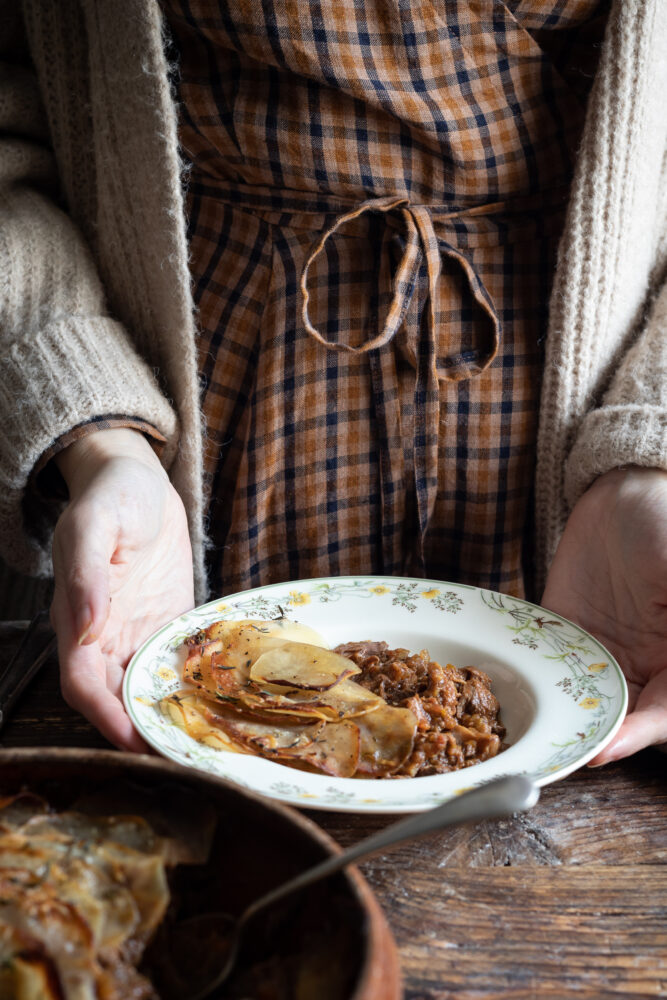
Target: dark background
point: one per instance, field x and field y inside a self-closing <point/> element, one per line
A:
<point x="21" y="597"/>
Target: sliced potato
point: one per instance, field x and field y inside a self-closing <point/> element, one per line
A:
<point x="344" y="700"/>
<point x="232" y="648"/>
<point x="348" y="700"/>
<point x="387" y="739"/>
<point x="262" y="669"/>
<point x="257" y="701"/>
<point x="197" y="668"/>
<point x="17" y="809"/>
<point x="33" y="978"/>
<point x="131" y="831"/>
<point x="335" y="704"/>
<point x="335" y="750"/>
<point x="265" y="737"/>
<point x="186" y="710"/>
<point x="248" y="697"/>
<point x="229" y="683"/>
<point x="56" y="927"/>
<point x="332" y="747"/>
<point x="80" y="896"/>
<point x="302" y="665"/>
<point x="278" y="628"/>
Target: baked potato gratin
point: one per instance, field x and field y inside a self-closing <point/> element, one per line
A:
<point x="274" y="689"/>
<point x="80" y="898"/>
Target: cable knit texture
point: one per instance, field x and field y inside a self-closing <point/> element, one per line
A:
<point x="95" y="304"/>
<point x="612" y="257"/>
<point x="96" y="312"/>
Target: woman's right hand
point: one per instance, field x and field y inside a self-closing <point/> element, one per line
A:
<point x="122" y="565"/>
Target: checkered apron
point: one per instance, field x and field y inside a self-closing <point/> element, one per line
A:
<point x="375" y="197"/>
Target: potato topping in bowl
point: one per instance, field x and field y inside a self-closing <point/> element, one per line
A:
<point x="274" y="689"/>
<point x="119" y="872"/>
<point x="80" y="897"/>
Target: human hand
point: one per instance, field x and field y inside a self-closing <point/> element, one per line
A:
<point x="609" y="575"/>
<point x="122" y="565"/>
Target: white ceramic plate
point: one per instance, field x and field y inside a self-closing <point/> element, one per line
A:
<point x="562" y="695"/>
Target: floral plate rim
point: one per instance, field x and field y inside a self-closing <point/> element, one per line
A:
<point x="598" y="688"/>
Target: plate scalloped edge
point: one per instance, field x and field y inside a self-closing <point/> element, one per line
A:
<point x="578" y="684"/>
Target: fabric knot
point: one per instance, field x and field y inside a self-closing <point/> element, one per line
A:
<point x="421" y="245"/>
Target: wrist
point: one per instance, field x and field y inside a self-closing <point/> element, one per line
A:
<point x="627" y="477"/>
<point x="82" y="460"/>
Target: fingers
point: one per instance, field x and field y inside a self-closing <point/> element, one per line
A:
<point x="90" y="687"/>
<point x="643" y="727"/>
<point x="84" y="543"/>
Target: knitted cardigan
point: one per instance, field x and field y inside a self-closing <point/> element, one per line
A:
<point x="96" y="313"/>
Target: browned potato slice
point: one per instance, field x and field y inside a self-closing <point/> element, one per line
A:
<point x="242" y="648"/>
<point x="347" y="700"/>
<point x="222" y="658"/>
<point x="335" y="751"/>
<point x="219" y="668"/>
<point x="17" y="809"/>
<point x="218" y="630"/>
<point x="208" y="669"/>
<point x="246" y="697"/>
<point x="301" y="665"/>
<point x="280" y="628"/>
<point x="387" y="738"/>
<point x="229" y="683"/>
<point x="13" y="854"/>
<point x="106" y="907"/>
<point x="32" y="977"/>
<point x="130" y="831"/>
<point x="224" y="663"/>
<point x="197" y="668"/>
<point x="56" y="928"/>
<point x="265" y="737"/>
<point x="255" y="700"/>
<point x="344" y="701"/>
<point x="186" y="710"/>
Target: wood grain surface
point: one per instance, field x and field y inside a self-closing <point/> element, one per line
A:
<point x="568" y="900"/>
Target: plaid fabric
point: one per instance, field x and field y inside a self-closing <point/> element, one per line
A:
<point x="375" y="199"/>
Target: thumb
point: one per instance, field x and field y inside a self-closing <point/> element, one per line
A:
<point x="644" y="726"/>
<point x="83" y="544"/>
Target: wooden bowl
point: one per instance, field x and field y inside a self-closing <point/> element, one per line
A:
<point x="257" y="844"/>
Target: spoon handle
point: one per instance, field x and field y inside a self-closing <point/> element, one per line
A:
<point x="497" y="798"/>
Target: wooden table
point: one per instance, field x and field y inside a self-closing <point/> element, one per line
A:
<point x="568" y="900"/>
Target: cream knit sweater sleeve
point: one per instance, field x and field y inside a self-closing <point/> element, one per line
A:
<point x="63" y="358"/>
<point x="623" y="325"/>
<point x="604" y="387"/>
<point x="630" y="427"/>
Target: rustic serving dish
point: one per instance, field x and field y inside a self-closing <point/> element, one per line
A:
<point x="257" y="844"/>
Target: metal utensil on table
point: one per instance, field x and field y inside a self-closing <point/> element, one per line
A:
<point x="495" y="799"/>
<point x="36" y="647"/>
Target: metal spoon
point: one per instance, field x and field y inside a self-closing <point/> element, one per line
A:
<point x="497" y="798"/>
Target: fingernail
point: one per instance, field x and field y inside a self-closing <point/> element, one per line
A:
<point x="616" y="756"/>
<point x="86" y="630"/>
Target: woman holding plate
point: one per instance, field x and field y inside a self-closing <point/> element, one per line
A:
<point x="417" y="306"/>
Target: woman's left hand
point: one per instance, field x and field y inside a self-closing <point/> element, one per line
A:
<point x="609" y="575"/>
